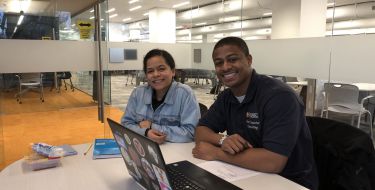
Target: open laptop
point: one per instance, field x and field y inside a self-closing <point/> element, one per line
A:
<point x="145" y="163"/>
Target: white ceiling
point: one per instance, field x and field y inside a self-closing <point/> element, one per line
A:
<point x="210" y="11"/>
<point x="44" y="7"/>
<point x="251" y="8"/>
<point x="221" y="8"/>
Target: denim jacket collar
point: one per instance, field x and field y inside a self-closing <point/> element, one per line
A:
<point x="169" y="99"/>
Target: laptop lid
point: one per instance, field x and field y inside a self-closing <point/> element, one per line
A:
<point x="142" y="156"/>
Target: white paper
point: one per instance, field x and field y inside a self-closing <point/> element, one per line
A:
<point x="227" y="171"/>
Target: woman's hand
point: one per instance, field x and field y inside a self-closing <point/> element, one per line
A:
<point x="156" y="136"/>
<point x="145" y="124"/>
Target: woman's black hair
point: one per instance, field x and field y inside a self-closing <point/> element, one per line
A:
<point x="159" y="52"/>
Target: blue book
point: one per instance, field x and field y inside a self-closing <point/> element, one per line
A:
<point x="68" y="150"/>
<point x="106" y="148"/>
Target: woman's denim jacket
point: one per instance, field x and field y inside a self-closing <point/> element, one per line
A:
<point x="176" y="117"/>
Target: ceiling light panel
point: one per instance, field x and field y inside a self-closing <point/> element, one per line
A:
<point x="200" y="24"/>
<point x="229" y="19"/>
<point x="267" y="14"/>
<point x="114" y="15"/>
<point x="181" y="4"/>
<point x="126" y="19"/>
<point x="338" y="13"/>
<point x="135" y="8"/>
<point x="235" y="5"/>
<point x="133" y="1"/>
<point x="191" y="14"/>
<point x="110" y="10"/>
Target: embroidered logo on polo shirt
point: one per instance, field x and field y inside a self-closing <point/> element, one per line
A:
<point x="252" y="120"/>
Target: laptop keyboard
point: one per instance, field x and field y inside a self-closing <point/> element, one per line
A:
<point x="180" y="181"/>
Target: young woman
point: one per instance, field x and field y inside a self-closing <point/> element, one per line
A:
<point x="163" y="110"/>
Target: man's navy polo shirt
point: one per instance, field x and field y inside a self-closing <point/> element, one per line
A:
<point x="272" y="117"/>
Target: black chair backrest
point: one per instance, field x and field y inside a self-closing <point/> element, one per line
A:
<point x="64" y="75"/>
<point x="203" y="108"/>
<point x="344" y="155"/>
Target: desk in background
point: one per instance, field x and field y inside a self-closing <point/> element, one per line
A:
<point x="300" y="83"/>
<point x="367" y="87"/>
<point x="82" y="172"/>
<point x="303" y="90"/>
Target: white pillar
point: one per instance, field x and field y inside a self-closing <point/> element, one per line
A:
<point x="298" y="18"/>
<point x="162" y="25"/>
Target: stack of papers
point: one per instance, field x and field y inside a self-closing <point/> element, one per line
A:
<point x="106" y="148"/>
<point x="227" y="171"/>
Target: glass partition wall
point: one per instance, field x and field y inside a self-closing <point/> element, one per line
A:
<point x="68" y="112"/>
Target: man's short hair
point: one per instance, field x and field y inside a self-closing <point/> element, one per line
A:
<point x="235" y="41"/>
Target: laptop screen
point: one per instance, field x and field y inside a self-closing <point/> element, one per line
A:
<point x="142" y="157"/>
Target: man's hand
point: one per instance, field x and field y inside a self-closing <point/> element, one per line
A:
<point x="145" y="124"/>
<point x="205" y="151"/>
<point x="156" y="136"/>
<point x="234" y="144"/>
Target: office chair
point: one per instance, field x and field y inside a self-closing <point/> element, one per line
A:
<point x="140" y="77"/>
<point x="343" y="98"/>
<point x="344" y="155"/>
<point x="62" y="76"/>
<point x="131" y="75"/>
<point x="28" y="81"/>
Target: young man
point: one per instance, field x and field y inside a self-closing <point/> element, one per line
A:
<point x="264" y="120"/>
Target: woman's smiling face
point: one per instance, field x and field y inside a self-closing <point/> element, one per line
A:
<point x="159" y="74"/>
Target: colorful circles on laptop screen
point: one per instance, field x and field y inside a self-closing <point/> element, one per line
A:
<point x="127" y="139"/>
<point x="153" y="154"/>
<point x="138" y="146"/>
<point x="147" y="167"/>
<point x="119" y="140"/>
<point x="125" y="155"/>
<point x="134" y="156"/>
<point x="156" y="187"/>
<point x="161" y="176"/>
<point x="138" y="174"/>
